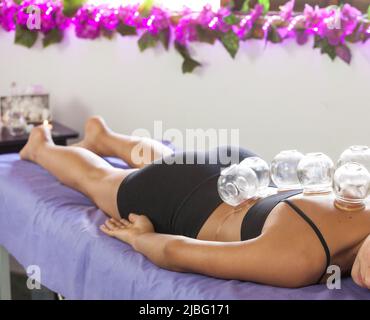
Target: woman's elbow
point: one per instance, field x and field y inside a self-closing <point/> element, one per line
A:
<point x="173" y="255"/>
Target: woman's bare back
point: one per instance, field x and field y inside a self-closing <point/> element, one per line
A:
<point x="343" y="231"/>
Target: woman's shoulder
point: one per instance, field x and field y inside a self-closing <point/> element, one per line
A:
<point x="322" y="210"/>
<point x="342" y="230"/>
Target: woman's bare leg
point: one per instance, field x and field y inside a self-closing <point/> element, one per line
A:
<point x="135" y="151"/>
<point x="77" y="168"/>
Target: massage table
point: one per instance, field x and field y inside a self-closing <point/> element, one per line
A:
<point x="47" y="224"/>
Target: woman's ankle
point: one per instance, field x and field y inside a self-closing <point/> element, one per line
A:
<point x="41" y="149"/>
<point x="39" y="139"/>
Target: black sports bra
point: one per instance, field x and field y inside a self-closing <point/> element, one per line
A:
<point x="254" y="221"/>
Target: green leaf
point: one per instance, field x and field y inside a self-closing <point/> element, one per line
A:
<point x="206" y="35"/>
<point x="231" y="42"/>
<point x="265" y="4"/>
<point x="146" y="7"/>
<point x="317" y="42"/>
<point x="147" y="40"/>
<point x="255" y="33"/>
<point x="164" y="37"/>
<point x="231" y="19"/>
<point x="325" y="47"/>
<point x="70" y="7"/>
<point x="328" y="49"/>
<point x="245" y="6"/>
<point x="189" y="64"/>
<point x="273" y="35"/>
<point x="126" y="30"/>
<point x="108" y="34"/>
<point x="184" y="52"/>
<point x="25" y="37"/>
<point x="18" y="1"/>
<point x="368" y="13"/>
<point x="53" y="36"/>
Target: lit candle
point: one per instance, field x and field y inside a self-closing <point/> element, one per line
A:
<point x="46" y="124"/>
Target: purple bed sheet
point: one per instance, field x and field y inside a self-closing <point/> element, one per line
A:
<point x="47" y="224"/>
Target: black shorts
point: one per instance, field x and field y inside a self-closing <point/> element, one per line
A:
<point x="178" y="196"/>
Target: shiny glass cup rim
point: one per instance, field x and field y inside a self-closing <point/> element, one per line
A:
<point x="316" y="154"/>
<point x="290" y="151"/>
<point x="360" y="165"/>
<point x="358" y="147"/>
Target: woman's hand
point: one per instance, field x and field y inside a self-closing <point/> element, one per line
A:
<point x="361" y="267"/>
<point x="128" y="230"/>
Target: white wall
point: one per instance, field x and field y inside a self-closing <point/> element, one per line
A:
<point x="280" y="97"/>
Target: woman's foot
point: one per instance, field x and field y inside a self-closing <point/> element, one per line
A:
<point x="95" y="128"/>
<point x="39" y="136"/>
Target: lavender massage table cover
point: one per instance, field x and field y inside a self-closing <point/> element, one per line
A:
<point x="44" y="223"/>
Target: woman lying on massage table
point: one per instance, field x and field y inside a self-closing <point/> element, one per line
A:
<point x="172" y="214"/>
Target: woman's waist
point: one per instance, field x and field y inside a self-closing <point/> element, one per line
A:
<point x="225" y="222"/>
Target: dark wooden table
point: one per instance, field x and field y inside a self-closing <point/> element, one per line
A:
<point x="9" y="143"/>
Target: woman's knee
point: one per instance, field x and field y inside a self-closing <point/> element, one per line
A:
<point x="98" y="174"/>
<point x="92" y="182"/>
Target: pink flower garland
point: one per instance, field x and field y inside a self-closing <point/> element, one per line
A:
<point x="332" y="29"/>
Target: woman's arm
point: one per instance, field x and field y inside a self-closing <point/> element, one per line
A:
<point x="269" y="259"/>
<point x="361" y="267"/>
<point x="182" y="254"/>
